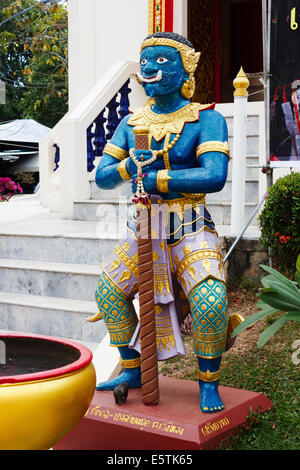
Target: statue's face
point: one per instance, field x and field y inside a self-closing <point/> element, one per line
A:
<point x="162" y="71"/>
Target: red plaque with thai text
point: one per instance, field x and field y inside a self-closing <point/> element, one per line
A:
<point x="176" y="423"/>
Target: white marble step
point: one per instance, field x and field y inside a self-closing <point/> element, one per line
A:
<point x="112" y="214"/>
<point x="50" y="316"/>
<point x="221" y="212"/>
<point x="47" y="237"/>
<point x="57" y="249"/>
<point x="66" y="280"/>
<point x="251" y="192"/>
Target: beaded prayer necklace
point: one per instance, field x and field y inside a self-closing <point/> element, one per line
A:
<point x="141" y="196"/>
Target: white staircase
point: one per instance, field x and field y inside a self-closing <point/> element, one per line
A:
<point x="49" y="269"/>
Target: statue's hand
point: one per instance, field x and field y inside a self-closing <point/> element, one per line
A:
<point x="140" y="155"/>
<point x="149" y="181"/>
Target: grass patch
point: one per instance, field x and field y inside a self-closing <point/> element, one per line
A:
<point x="269" y="370"/>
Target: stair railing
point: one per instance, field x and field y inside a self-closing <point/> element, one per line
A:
<point x="72" y="147"/>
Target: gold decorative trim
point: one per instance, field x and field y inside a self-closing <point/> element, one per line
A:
<point x="162" y="181"/>
<point x="115" y="151"/>
<point x="178" y="205"/>
<point x="215" y="337"/>
<point x="160" y="124"/>
<point x="95" y="317"/>
<point x="209" y="376"/>
<point x="189" y="223"/>
<point x="211" y="276"/>
<point x="163" y="15"/>
<point x="126" y="260"/>
<point x="130" y="363"/>
<point x="196" y="256"/>
<point x="161" y="283"/>
<point x="115" y="265"/>
<point x="213" y="146"/>
<point x="150" y="16"/>
<point x="235" y="319"/>
<point x="205" y="228"/>
<point x="126" y="275"/>
<point x="166" y="151"/>
<point x="189" y="56"/>
<point x="114" y="283"/>
<point x="123" y="171"/>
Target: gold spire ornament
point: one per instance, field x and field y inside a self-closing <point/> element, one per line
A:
<point x="241" y="84"/>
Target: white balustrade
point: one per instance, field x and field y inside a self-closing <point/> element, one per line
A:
<point x="70" y="182"/>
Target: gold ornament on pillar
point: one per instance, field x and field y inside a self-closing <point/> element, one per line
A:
<point x="188" y="88"/>
<point x="241" y="84"/>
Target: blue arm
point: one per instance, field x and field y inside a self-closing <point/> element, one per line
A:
<point x="210" y="176"/>
<point x="107" y="175"/>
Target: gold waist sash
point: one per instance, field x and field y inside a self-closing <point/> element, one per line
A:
<point x="188" y="201"/>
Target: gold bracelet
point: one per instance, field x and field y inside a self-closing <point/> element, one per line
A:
<point x="114" y="151"/>
<point x="130" y="363"/>
<point x="123" y="171"/>
<point x="162" y="181"/>
<point x="213" y="146"/>
<point x="209" y="376"/>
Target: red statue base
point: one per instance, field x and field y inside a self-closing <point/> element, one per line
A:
<point x="176" y="423"/>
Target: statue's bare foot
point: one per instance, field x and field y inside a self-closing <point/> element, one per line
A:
<point x="210" y="401"/>
<point x="131" y="376"/>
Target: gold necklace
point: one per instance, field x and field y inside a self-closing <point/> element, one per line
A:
<point x="167" y="145"/>
<point x="164" y="152"/>
<point x="160" y="124"/>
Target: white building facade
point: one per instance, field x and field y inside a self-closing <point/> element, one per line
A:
<point x="104" y="41"/>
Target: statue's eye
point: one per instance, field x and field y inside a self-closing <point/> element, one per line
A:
<point x="144" y="61"/>
<point x="161" y="60"/>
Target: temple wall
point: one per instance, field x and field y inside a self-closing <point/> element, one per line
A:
<point x="101" y="33"/>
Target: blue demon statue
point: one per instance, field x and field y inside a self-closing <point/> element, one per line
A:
<point x="189" y="144"/>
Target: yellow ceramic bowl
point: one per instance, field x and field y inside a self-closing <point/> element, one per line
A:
<point x="49" y="394"/>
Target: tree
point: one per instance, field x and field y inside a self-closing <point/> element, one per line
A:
<point x="12" y="61"/>
<point x="35" y="49"/>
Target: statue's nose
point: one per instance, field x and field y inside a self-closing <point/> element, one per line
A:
<point x="150" y="69"/>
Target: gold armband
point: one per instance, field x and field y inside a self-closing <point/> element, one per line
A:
<point x="116" y="152"/>
<point x="130" y="363"/>
<point x="123" y="171"/>
<point x="209" y="376"/>
<point x="213" y="146"/>
<point x="162" y="181"/>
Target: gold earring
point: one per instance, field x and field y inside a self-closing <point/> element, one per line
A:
<point x="188" y="88"/>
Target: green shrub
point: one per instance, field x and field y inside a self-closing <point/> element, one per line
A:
<point x="279" y="294"/>
<point x="280" y="220"/>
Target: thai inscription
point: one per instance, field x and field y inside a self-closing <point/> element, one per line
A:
<point x="143" y="423"/>
<point x="215" y="426"/>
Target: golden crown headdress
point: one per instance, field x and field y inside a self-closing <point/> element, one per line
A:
<point x="189" y="57"/>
